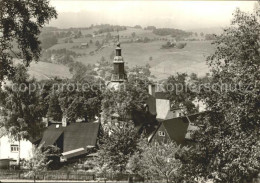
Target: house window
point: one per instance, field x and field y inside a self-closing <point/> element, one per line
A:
<point x="161" y="133"/>
<point x="14" y="148"/>
<point x="180" y="114"/>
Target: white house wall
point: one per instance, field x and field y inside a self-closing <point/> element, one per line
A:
<point x="5" y="148"/>
<point x="162" y="108"/>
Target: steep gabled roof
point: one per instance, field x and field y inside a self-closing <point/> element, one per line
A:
<point x="51" y="134"/>
<point x="77" y="135"/>
<point x="161" y="95"/>
<point x="179" y="128"/>
<point x="151" y="102"/>
<point x="176" y="128"/>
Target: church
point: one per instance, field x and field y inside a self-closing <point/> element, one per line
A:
<point x="118" y="74"/>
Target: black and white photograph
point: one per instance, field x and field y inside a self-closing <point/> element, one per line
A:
<point x="120" y="91"/>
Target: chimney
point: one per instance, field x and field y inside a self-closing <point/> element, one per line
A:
<point x="45" y="120"/>
<point x="151" y="89"/>
<point x="64" y="121"/>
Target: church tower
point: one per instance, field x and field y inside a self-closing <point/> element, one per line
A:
<point x="119" y="74"/>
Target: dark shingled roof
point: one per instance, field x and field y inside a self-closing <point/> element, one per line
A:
<point x="177" y="128"/>
<point x="51" y="134"/>
<point x="151" y="102"/>
<point x="161" y="95"/>
<point x="75" y="135"/>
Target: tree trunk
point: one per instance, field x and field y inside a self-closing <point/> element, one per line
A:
<point x="34" y="178"/>
<point x="105" y="175"/>
<point x="167" y="179"/>
<point x="19" y="153"/>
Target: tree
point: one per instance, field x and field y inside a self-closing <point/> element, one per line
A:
<point x="138" y="27"/>
<point x="146" y="40"/>
<point x="210" y="37"/>
<point x="156" y="160"/>
<point x="228" y="140"/>
<point x="133" y="34"/>
<point x="116" y="146"/>
<point x="38" y="162"/>
<point x="201" y="34"/>
<point x="181" y="45"/>
<point x="21" y="110"/>
<point x="21" y="107"/>
<point x="20" y="22"/>
<point x="179" y="92"/>
<point x="80" y="100"/>
<point x="54" y="109"/>
<point x="127" y="101"/>
<point x="97" y="44"/>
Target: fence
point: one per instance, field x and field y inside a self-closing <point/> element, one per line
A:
<point x="62" y="175"/>
<point x="73" y="176"/>
<point x="47" y="175"/>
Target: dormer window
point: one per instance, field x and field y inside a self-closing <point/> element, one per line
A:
<point x="161" y="133"/>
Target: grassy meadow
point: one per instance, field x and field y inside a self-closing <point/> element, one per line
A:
<point x="164" y="62"/>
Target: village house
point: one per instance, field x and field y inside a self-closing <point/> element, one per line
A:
<point x="173" y="123"/>
<point x="179" y="129"/>
<point x="73" y="139"/>
<point x="9" y="149"/>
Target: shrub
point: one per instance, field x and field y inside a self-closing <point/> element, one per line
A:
<point x="181" y="45"/>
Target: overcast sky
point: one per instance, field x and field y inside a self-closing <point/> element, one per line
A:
<point x="175" y="14"/>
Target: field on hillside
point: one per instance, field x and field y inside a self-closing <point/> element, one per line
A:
<point x="164" y="62"/>
<point x="44" y="70"/>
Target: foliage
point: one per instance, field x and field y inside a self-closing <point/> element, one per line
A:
<point x="150" y="28"/>
<point x="210" y="37"/>
<point x="80" y="100"/>
<point x="168" y="45"/>
<point x="124" y="102"/>
<point x="20" y="22"/>
<point x="116" y="146"/>
<point x="172" y="32"/>
<point x="181" y="45"/>
<point x="179" y="92"/>
<point x="138" y="26"/>
<point x="157" y="161"/>
<point x="54" y="109"/>
<point x="38" y="162"/>
<point x="21" y="108"/>
<point x="146" y="40"/>
<point x="103" y="28"/>
<point x="228" y="140"/>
